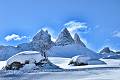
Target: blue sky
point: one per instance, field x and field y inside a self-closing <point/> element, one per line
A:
<point x="96" y="21"/>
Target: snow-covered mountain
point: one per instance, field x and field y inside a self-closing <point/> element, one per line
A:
<point x="40" y="42"/>
<point x="71" y="50"/>
<point x="106" y="50"/>
<point x="109" y="54"/>
<point x="64" y="46"/>
<point x="64" y="38"/>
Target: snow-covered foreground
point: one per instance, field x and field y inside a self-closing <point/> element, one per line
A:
<point x="110" y="71"/>
<point x="2" y="64"/>
<point x="63" y="63"/>
<point x="91" y="74"/>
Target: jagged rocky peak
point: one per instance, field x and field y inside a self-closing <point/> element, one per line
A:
<point x="42" y="36"/>
<point x="64" y="38"/>
<point x="106" y="50"/>
<point x="42" y="41"/>
<point x="78" y="41"/>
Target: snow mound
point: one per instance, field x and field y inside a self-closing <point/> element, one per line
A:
<point x="84" y="60"/>
<point x="80" y="58"/>
<point x="28" y="61"/>
<point x="69" y="51"/>
<point x="31" y="56"/>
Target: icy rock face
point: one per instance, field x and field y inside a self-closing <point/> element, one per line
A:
<point x="42" y="36"/>
<point x="77" y="40"/>
<point x="64" y="38"/>
<point x="41" y="42"/>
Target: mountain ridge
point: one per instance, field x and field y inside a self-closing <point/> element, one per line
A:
<point x="41" y="42"/>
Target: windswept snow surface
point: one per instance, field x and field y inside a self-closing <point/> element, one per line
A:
<point x="105" y="74"/>
<point x="69" y="51"/>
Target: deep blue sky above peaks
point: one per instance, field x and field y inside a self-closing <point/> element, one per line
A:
<point x="96" y="21"/>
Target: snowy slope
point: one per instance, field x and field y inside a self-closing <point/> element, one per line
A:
<point x="71" y="50"/>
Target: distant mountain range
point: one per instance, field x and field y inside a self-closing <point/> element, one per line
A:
<point x="64" y="46"/>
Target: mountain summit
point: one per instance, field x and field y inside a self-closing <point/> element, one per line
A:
<point x="64" y="38"/>
<point x="78" y="41"/>
<point x="40" y="42"/>
<point x="42" y="36"/>
<point x="106" y="50"/>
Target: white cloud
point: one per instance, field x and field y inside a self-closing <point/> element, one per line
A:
<point x="76" y="26"/>
<point x="14" y="37"/>
<point x="116" y="34"/>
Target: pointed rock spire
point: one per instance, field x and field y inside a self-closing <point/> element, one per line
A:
<point x="41" y="41"/>
<point x="78" y="41"/>
<point x="42" y="36"/>
<point x="64" y="38"/>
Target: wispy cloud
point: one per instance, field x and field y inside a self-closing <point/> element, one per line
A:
<point x="74" y="26"/>
<point x="14" y="37"/>
<point x="116" y="34"/>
